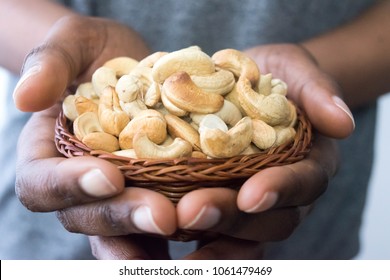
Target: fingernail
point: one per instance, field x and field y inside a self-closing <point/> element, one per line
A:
<point x="96" y="184"/>
<point x="206" y="218"/>
<point x="341" y="104"/>
<point x="143" y="219"/>
<point x="269" y="199"/>
<point x="27" y="75"/>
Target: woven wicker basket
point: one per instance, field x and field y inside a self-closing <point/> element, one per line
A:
<point x="174" y="178"/>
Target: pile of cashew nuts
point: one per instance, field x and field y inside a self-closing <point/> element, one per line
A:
<point x="182" y="104"/>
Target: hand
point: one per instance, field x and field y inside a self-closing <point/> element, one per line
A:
<point x="87" y="193"/>
<point x="273" y="202"/>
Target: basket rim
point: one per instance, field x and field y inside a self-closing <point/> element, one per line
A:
<point x="69" y="146"/>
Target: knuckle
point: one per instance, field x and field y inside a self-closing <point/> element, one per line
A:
<point x="66" y="220"/>
<point x="117" y="222"/>
<point x="24" y="195"/>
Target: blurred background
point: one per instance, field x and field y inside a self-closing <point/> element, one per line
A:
<point x="375" y="233"/>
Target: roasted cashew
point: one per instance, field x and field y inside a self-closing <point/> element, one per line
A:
<point x="151" y="59"/>
<point x="128" y="88"/>
<point x="103" y="77"/>
<point x="84" y="104"/>
<point x="153" y="95"/>
<point x="264" y="135"/>
<point x="220" y="82"/>
<point x="229" y="113"/>
<point x="218" y="144"/>
<point x="178" y="127"/>
<point x="101" y="141"/>
<point x="264" y="86"/>
<point x="69" y="107"/>
<point x="133" y="108"/>
<point x="171" y="108"/>
<point x="145" y="148"/>
<point x="284" y="135"/>
<point x="273" y="109"/>
<point x="86" y="90"/>
<point x="112" y="118"/>
<point x="183" y="93"/>
<point x="150" y="122"/>
<point x="87" y="129"/>
<point x="238" y="63"/>
<point x="191" y="60"/>
<point x="130" y="153"/>
<point x="278" y="87"/>
<point x="121" y="65"/>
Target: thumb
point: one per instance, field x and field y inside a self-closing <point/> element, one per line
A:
<point x="45" y="77"/>
<point x="51" y="67"/>
<point x="325" y="109"/>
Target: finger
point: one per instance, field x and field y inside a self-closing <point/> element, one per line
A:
<point x="309" y="87"/>
<point x="225" y="248"/>
<point x="135" y="210"/>
<point x="319" y="99"/>
<point x="51" y="67"/>
<point x="215" y="210"/>
<point x="67" y="56"/>
<point x="46" y="181"/>
<point x="290" y="185"/>
<point x="129" y="247"/>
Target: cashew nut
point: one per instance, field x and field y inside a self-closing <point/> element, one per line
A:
<point x="130" y="153"/>
<point x="191" y="60"/>
<point x="264" y="135"/>
<point x="84" y="104"/>
<point x="144" y="75"/>
<point x="232" y="96"/>
<point x="182" y="129"/>
<point x="212" y="121"/>
<point x="265" y="84"/>
<point x="86" y="90"/>
<point x="284" y="135"/>
<point x="273" y="109"/>
<point x="153" y="95"/>
<point x="293" y="115"/>
<point x="229" y="113"/>
<point x="171" y="108"/>
<point x="112" y="118"/>
<point x="183" y="93"/>
<point x="85" y="124"/>
<point x="237" y="62"/>
<point x="87" y="129"/>
<point x="103" y="77"/>
<point x="151" y="59"/>
<point x="101" y="141"/>
<point x="145" y="148"/>
<point x="133" y="108"/>
<point x="278" y="87"/>
<point x="150" y="122"/>
<point x="219" y="144"/>
<point x="121" y="65"/>
<point x="69" y="107"/>
<point x="251" y="149"/>
<point x="128" y="88"/>
<point x="220" y="82"/>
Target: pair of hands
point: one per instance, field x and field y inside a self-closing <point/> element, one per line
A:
<point x="268" y="206"/>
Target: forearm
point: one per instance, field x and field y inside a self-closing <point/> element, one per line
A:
<point x="357" y="55"/>
<point x="23" y="25"/>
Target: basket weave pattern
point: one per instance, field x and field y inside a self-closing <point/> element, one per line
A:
<point x="176" y="177"/>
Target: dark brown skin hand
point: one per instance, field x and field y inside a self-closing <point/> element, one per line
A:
<point x="87" y="193"/>
<point x="271" y="204"/>
<point x="69" y="57"/>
